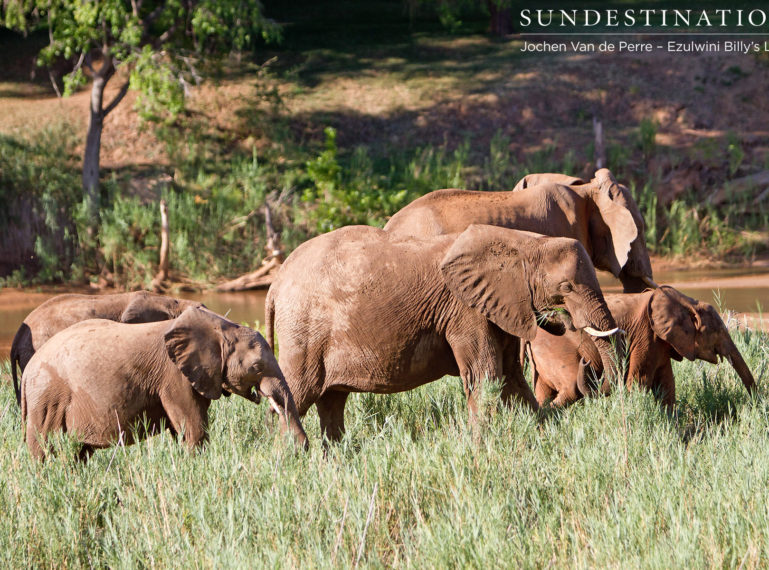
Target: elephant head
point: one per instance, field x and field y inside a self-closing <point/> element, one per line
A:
<point x="514" y="277"/>
<point x="617" y="232"/>
<point x="146" y="307"/>
<point x="217" y="355"/>
<point x="695" y="331"/>
<point x="616" y="227"/>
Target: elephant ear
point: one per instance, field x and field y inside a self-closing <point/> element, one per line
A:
<point x="613" y="215"/>
<point x="547" y="177"/>
<point x="194" y="344"/>
<point x="673" y="319"/>
<point x="144" y="309"/>
<point x="484" y="269"/>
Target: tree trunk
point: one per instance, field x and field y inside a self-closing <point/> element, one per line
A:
<point x="160" y="282"/>
<point x="500" y="18"/>
<point x="164" y="242"/>
<point x="91" y="157"/>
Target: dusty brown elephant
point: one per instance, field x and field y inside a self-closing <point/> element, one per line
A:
<point x="61" y="311"/>
<point x="357" y="311"/>
<point x="660" y="325"/>
<point x="601" y="215"/>
<point x="99" y="379"/>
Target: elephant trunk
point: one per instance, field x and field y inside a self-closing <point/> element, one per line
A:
<point x="596" y="320"/>
<point x="738" y="363"/>
<point x="276" y="391"/>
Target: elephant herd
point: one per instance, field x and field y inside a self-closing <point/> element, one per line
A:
<point x="458" y="282"/>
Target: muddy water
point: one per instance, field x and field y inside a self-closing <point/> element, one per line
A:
<point x="742" y="291"/>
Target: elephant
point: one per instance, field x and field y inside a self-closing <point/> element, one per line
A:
<point x="356" y="310"/>
<point x="660" y="325"/>
<point x="61" y="311"/>
<point x="108" y="382"/>
<point x="601" y="215"/>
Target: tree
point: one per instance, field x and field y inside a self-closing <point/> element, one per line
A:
<point x="153" y="46"/>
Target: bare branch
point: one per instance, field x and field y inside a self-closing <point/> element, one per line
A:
<point x="118" y="98"/>
<point x="79" y="63"/>
<point x="164" y="37"/>
<point x="53" y="82"/>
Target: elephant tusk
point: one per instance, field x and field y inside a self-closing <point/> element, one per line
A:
<point x="594" y="332"/>
<point x="650" y="282"/>
<point x="275" y="407"/>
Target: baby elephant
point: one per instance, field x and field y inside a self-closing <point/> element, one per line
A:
<point x="105" y="381"/>
<point x="58" y="313"/>
<point x="660" y="325"/>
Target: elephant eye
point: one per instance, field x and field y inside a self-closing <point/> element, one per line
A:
<point x="565" y="287"/>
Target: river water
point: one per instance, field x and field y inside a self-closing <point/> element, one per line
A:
<point x="743" y="291"/>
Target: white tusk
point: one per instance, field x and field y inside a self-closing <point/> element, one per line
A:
<point x="650" y="282"/>
<point x="593" y="332"/>
<point x="275" y="407"/>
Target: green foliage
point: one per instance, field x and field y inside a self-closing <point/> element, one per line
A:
<point x="40" y="188"/>
<point x="357" y="198"/>
<point x="607" y="482"/>
<point x="160" y="93"/>
<point x="647" y="137"/>
<point x="735" y="153"/>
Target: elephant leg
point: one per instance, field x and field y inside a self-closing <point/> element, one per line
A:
<point x="543" y="392"/>
<point x="478" y="358"/>
<point x="565" y="397"/>
<point x="35" y="435"/>
<point x="514" y="384"/>
<point x="46" y="415"/>
<point x="187" y="413"/>
<point x="331" y="414"/>
<point x="665" y="386"/>
<point x="85" y="453"/>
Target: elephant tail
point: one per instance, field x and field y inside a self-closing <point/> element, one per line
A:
<point x="16" y="360"/>
<point x="269" y="319"/>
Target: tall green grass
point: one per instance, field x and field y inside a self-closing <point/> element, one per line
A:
<point x="608" y="482"/>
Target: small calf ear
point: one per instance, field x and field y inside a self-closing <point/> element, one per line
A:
<point x="194" y="344"/>
<point x="673" y="321"/>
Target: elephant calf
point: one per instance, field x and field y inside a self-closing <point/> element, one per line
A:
<point x="59" y="312"/>
<point x="660" y="325"/>
<point x="103" y="381"/>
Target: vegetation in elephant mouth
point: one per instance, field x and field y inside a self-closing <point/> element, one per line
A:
<point x="555" y="320"/>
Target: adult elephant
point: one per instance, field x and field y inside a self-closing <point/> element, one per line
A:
<point x="61" y="311"/>
<point x="600" y="214"/>
<point x="356" y="310"/>
<point x="106" y="382"/>
<point x="660" y="325"/>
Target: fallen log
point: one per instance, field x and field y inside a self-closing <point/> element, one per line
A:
<point x="259" y="279"/>
<point x="262" y="277"/>
<point x="754" y="183"/>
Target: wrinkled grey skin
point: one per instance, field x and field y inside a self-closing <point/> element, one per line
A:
<point x="358" y="311"/>
<point x="660" y="325"/>
<point x="101" y="381"/>
<point x="61" y="311"/>
<point x="600" y="214"/>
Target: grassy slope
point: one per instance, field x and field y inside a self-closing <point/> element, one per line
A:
<point x="607" y="482"/>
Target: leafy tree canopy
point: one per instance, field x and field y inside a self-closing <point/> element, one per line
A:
<point x="158" y="41"/>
